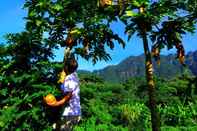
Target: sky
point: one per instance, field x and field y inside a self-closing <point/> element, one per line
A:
<point x="12" y="21"/>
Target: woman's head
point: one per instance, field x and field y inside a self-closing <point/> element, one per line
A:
<point x="70" y="65"/>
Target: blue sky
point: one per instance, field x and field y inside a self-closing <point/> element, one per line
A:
<point x="12" y="21"/>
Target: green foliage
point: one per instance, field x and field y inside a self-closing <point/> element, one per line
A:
<point x="178" y="115"/>
<point x="136" y="116"/>
<point x="122" y="105"/>
<point x="26" y="76"/>
<point x="90" y="78"/>
<point x="103" y="105"/>
<point x="22" y="101"/>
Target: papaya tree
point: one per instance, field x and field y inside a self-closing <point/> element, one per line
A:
<point x="163" y="24"/>
<point x="81" y="27"/>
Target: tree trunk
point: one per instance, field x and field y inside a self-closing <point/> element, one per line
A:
<point x="155" y="120"/>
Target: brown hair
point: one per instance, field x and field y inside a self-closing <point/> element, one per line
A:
<point x="70" y="65"/>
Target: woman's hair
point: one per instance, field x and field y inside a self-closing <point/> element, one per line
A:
<point x="70" y="65"/>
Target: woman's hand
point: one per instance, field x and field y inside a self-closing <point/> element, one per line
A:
<point x="53" y="104"/>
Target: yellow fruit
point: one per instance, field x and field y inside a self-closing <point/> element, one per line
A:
<point x="62" y="76"/>
<point x="105" y="2"/>
<point x="108" y="2"/>
<point x="142" y="9"/>
<point x="50" y="98"/>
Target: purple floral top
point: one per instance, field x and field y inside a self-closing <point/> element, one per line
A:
<point x="71" y="84"/>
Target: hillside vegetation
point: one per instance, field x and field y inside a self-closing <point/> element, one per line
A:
<point x="105" y="106"/>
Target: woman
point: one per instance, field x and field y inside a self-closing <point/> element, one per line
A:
<point x="70" y="89"/>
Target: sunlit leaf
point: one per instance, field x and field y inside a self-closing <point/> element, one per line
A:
<point x="130" y="13"/>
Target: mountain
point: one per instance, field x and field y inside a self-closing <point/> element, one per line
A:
<point x="191" y="61"/>
<point x="133" y="66"/>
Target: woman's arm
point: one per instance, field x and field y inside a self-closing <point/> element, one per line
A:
<point x="62" y="101"/>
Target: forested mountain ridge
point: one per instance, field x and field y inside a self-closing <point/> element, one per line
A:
<point x="191" y="61"/>
<point x="133" y="66"/>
